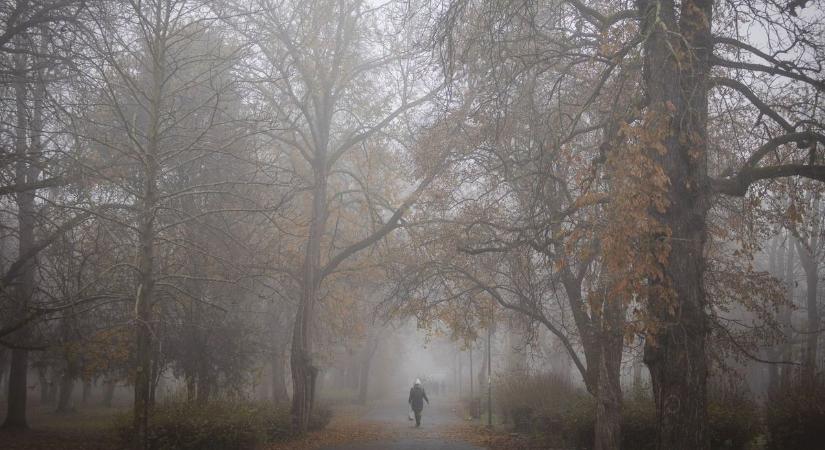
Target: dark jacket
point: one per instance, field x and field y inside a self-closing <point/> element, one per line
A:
<point x="417" y="397"/>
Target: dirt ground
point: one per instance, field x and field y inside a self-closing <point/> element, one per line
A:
<point x="87" y="429"/>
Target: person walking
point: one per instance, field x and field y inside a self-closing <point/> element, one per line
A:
<point x="416" y="400"/>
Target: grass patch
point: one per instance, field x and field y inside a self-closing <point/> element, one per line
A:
<point x="220" y="425"/>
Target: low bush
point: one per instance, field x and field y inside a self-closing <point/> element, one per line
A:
<point x="562" y="416"/>
<point x="638" y="423"/>
<point x="795" y="417"/>
<point x="221" y="425"/>
<point x="519" y="397"/>
<point x="339" y="396"/>
<point x="733" y="424"/>
<point x="734" y="419"/>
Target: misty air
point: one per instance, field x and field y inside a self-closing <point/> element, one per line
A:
<point x="412" y="224"/>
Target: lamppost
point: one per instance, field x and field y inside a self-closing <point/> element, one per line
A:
<point x="490" y="369"/>
<point x="472" y="394"/>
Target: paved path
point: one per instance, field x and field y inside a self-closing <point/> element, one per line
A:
<point x="408" y="444"/>
<point x="438" y="419"/>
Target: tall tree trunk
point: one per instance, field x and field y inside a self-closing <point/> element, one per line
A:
<point x="108" y="393"/>
<point x="145" y="297"/>
<point x="24" y="172"/>
<point x="602" y="339"/>
<point x="608" y="426"/>
<point x="366" y="363"/>
<point x="43" y="383"/>
<point x="304" y="372"/>
<point x="812" y="325"/>
<point x="776" y="259"/>
<point x="65" y="385"/>
<point x="156" y="379"/>
<point x="143" y="320"/>
<point x="146" y="266"/>
<point x="279" y="391"/>
<point x="786" y="349"/>
<point x="637" y="371"/>
<point x="482" y="371"/>
<point x="4" y="363"/>
<point x="204" y="391"/>
<point x="363" y="384"/>
<point x="809" y="257"/>
<point x="52" y="386"/>
<point x="353" y="373"/>
<point x="16" y="412"/>
<point x="64" y="397"/>
<point x="608" y="423"/>
<point x="87" y="392"/>
<point x="472" y="393"/>
<point x="460" y="375"/>
<point x="191" y="387"/>
<point x="676" y="67"/>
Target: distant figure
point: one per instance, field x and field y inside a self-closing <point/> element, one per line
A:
<point x="416" y="401"/>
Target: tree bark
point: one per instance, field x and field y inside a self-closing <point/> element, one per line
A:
<point x="108" y="393"/>
<point x="813" y="325"/>
<point x="786" y="349"/>
<point x="143" y="319"/>
<point x="304" y="372"/>
<point x="364" y="382"/>
<point x="602" y="339"/>
<point x="146" y="254"/>
<point x="676" y="68"/>
<point x="608" y="423"/>
<point x="808" y="256"/>
<point x="776" y="260"/>
<point x="52" y="386"/>
<point x="65" y="385"/>
<point x="191" y="387"/>
<point x="43" y="383"/>
<point x="16" y="412"/>
<point x="204" y="390"/>
<point x="366" y="363"/>
<point x="482" y="371"/>
<point x="24" y="172"/>
<point x="460" y="375"/>
<point x="87" y="392"/>
<point x="4" y="363"/>
<point x="637" y="372"/>
<point x="279" y="391"/>
<point x="64" y="397"/>
<point x="608" y="426"/>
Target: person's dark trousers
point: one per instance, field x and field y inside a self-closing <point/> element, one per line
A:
<point x="417" y="418"/>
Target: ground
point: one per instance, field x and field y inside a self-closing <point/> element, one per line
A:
<point x="385" y="425"/>
<point x="87" y="429"/>
<point x="380" y="426"/>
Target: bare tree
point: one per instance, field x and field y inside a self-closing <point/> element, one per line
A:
<point x="165" y="116"/>
<point x="332" y="88"/>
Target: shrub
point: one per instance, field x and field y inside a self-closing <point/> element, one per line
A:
<point x="638" y="423"/>
<point x="795" y="417"/>
<point x="547" y="406"/>
<point x="519" y="397"/>
<point x="221" y="425"/>
<point x="734" y="419"/>
<point x="563" y="416"/>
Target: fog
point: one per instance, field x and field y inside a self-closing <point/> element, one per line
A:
<point x="257" y="223"/>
